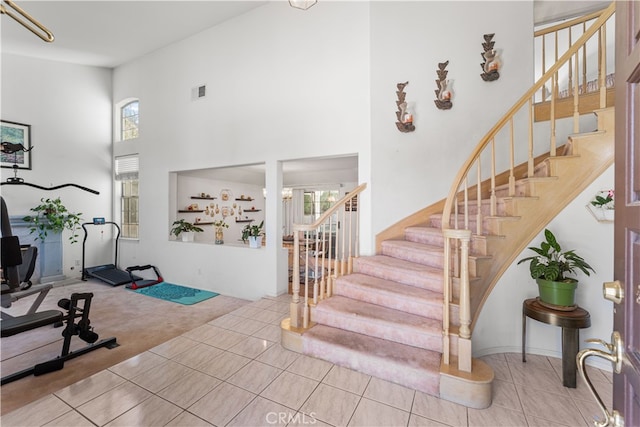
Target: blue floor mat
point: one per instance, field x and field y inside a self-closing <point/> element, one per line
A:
<point x="176" y="293"/>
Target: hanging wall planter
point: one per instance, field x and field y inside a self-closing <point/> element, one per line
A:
<point x="404" y="115"/>
<point x="444" y="93"/>
<point x="492" y="62"/>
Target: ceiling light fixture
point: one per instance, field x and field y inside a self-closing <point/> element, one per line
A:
<point x="302" y="4"/>
<point x="39" y="30"/>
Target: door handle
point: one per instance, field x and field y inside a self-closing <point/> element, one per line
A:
<point x="614" y="355"/>
<point x="613" y="291"/>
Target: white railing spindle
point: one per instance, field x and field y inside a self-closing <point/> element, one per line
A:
<point x="453" y="235"/>
<point x="324" y="270"/>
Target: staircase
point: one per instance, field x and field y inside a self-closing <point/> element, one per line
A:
<point x="385" y="319"/>
<point x="406" y="314"/>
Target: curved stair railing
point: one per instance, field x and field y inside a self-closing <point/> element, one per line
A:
<point x="468" y="189"/>
<point x="561" y="35"/>
<point x="325" y="250"/>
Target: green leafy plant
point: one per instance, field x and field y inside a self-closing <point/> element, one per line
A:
<point x="52" y="216"/>
<point x="180" y="226"/>
<point x="551" y="263"/>
<point x="604" y="199"/>
<point x="252" y="231"/>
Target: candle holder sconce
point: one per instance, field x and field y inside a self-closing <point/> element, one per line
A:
<point x="405" y="117"/>
<point x="444" y="92"/>
<point x="492" y="60"/>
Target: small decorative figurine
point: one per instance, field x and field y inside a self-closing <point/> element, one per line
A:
<point x="444" y="92"/>
<point x="492" y="60"/>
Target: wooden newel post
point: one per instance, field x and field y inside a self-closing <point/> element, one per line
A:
<point x="464" y="341"/>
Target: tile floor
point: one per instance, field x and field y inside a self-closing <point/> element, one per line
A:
<point x="233" y="372"/>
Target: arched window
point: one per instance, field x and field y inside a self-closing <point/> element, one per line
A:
<point x="129" y="121"/>
<point x="126" y="114"/>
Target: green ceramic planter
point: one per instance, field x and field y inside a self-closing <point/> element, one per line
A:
<point x="557" y="293"/>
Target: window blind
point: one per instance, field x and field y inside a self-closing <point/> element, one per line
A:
<point x="127" y="168"/>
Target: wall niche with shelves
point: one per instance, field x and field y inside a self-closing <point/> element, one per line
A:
<point x="232" y="194"/>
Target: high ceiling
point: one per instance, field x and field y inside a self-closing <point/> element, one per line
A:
<point x="110" y="33"/>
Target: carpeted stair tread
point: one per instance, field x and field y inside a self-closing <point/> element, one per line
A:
<point x="390" y="294"/>
<point x="424" y="234"/>
<point x="378" y="321"/>
<point x="401" y="364"/>
<point x="415" y="252"/>
<point x="401" y="271"/>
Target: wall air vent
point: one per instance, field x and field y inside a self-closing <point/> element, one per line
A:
<point x="198" y="92"/>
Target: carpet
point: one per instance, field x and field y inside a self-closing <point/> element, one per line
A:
<point x="176" y="293"/>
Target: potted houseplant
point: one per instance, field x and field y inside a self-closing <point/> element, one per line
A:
<point x="219" y="225"/>
<point x="549" y="267"/>
<point x="253" y="233"/>
<point x="51" y="216"/>
<point x="186" y="229"/>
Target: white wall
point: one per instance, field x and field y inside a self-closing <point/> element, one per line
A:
<point x="499" y="327"/>
<point x="409" y="39"/>
<point x="69" y="110"/>
<point x="281" y="85"/>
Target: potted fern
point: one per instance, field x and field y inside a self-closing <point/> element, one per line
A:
<point x="185" y="229"/>
<point x="51" y="216"/>
<point x="254" y="234"/>
<point x="550" y="266"/>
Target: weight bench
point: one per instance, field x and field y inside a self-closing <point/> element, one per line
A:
<point x="77" y="307"/>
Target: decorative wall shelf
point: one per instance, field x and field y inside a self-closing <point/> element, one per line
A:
<point x="245" y="220"/>
<point x="252" y="210"/>
<point x="245" y="200"/>
<point x="202" y="223"/>
<point x="188" y="211"/>
<point x="203" y="198"/>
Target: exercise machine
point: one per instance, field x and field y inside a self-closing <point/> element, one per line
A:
<point x="138" y="282"/>
<point x="16" y="272"/>
<point x="77" y="307"/>
<point x="108" y="273"/>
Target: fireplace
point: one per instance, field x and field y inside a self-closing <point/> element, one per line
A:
<point x="49" y="265"/>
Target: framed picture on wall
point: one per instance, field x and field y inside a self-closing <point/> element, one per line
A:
<point x="16" y="145"/>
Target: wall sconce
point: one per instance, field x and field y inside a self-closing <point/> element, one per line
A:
<point x="444" y="92"/>
<point x="302" y="4"/>
<point x="492" y="60"/>
<point x="404" y="115"/>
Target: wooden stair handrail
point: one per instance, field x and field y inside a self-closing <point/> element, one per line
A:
<point x="340" y="203"/>
<point x="323" y="282"/>
<point x="460" y="186"/>
<point x="464" y="170"/>
<point x="570" y="23"/>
